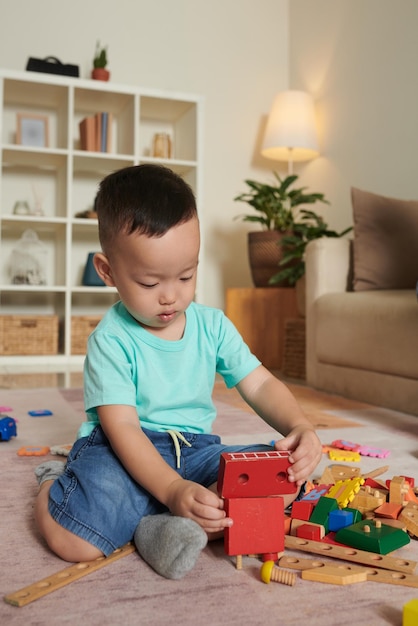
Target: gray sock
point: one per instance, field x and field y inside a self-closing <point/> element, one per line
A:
<point x="170" y="545"/>
<point x="50" y="470"/>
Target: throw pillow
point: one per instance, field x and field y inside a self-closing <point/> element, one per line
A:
<point x="385" y="242"/>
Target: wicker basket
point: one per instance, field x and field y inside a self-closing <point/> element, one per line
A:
<point x="81" y="327"/>
<point x="28" y="334"/>
<point x="294" y="359"/>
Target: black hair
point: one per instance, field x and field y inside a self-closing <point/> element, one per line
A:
<point x="147" y="199"/>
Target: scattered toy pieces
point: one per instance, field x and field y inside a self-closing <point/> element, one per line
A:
<point x="33" y="451"/>
<point x="62" y="450"/>
<point x="40" y="412"/>
<point x="361" y="449"/>
<point x="7" y="428"/>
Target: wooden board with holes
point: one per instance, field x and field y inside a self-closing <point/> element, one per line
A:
<point x="64" y="577"/>
<point x="373" y="574"/>
<point x="351" y="554"/>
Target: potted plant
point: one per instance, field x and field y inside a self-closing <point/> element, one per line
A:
<point x="311" y="226"/>
<point x="277" y="208"/>
<point x="99" y="71"/>
<point x="292" y="264"/>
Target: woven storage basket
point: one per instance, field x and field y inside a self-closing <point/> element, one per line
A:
<point x="81" y="327"/>
<point x="28" y="334"/>
<point x="294" y="358"/>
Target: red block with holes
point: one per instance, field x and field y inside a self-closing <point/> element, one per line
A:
<point x="254" y="474"/>
<point x="258" y="526"/>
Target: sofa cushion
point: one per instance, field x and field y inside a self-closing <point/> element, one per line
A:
<point x="374" y="331"/>
<point x="385" y="242"/>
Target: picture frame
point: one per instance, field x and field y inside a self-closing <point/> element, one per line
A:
<point x="32" y="130"/>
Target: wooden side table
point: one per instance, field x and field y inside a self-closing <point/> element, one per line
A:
<point x="260" y="314"/>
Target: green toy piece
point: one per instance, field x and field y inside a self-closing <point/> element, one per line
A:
<point x="356" y="514"/>
<point x="373" y="536"/>
<point x="320" y="514"/>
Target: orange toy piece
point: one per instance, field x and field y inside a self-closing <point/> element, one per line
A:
<point x="389" y="510"/>
<point x="33" y="451"/>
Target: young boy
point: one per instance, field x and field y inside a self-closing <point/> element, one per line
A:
<point x="145" y="464"/>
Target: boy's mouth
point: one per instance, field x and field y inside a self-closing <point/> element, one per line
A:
<point x="167" y="316"/>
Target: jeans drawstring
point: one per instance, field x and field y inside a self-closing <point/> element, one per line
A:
<point x="175" y="436"/>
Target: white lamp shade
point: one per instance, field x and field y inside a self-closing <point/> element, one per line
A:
<point x="291" y="129"/>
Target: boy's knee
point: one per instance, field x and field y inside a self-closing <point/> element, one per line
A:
<point x="62" y="542"/>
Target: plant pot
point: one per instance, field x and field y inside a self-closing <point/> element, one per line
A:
<point x="264" y="254"/>
<point x="100" y="73"/>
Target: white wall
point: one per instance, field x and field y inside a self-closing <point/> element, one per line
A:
<point x="233" y="52"/>
<point x="359" y="60"/>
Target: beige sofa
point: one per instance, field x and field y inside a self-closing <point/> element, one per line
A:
<point x="361" y="344"/>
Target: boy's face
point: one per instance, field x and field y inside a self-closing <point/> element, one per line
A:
<point x="155" y="276"/>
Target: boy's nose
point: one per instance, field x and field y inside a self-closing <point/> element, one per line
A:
<point x="168" y="297"/>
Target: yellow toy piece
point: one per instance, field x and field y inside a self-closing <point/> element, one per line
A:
<point x="344" y="455"/>
<point x="410" y="613"/>
<point x="344" y="490"/>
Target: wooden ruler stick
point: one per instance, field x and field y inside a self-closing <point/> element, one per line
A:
<point x="64" y="577"/>
<point x="373" y="574"/>
<point x="350" y="554"/>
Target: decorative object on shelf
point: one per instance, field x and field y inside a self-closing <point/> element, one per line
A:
<point x="96" y="132"/>
<point x="161" y="147"/>
<point x="32" y="130"/>
<point x="99" y="71"/>
<point x="38" y="197"/>
<point x="89" y="214"/>
<point x="28" y="260"/>
<point x="21" y="207"/>
<point x="90" y="276"/>
<point x="276" y="213"/>
<point x="52" y="65"/>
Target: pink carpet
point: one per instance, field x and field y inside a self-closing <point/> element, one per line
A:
<point x="129" y="593"/>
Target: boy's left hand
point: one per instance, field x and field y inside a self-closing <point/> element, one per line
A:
<point x="306" y="451"/>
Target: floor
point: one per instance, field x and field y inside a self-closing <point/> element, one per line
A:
<point x="67" y="379"/>
<point x="41" y="379"/>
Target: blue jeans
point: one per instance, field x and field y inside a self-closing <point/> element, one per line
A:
<point x="96" y="498"/>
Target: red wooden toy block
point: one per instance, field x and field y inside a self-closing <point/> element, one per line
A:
<point x="301" y="509"/>
<point x="257" y="528"/>
<point x="254" y="474"/>
<point x="309" y="531"/>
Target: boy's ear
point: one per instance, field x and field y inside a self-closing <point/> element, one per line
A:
<point x="102" y="266"/>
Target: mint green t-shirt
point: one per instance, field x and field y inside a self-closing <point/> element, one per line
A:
<point x="170" y="383"/>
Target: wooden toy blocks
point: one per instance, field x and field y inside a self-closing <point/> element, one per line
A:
<point x="257" y="528"/>
<point x="254" y="474"/>
<point x="372" y="536"/>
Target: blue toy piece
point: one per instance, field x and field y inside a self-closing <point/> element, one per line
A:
<point x="39" y="412"/>
<point x="7" y="428"/>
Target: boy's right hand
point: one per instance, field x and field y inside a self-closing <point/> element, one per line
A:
<point x="188" y="499"/>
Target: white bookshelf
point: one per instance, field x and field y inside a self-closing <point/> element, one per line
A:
<point x="66" y="178"/>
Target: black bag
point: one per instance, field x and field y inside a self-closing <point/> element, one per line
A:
<point x="52" y="65"/>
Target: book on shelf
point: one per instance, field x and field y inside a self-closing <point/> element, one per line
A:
<point x="96" y="132"/>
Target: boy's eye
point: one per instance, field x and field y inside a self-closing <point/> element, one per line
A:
<point x="186" y="278"/>
<point x="147" y="286"/>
